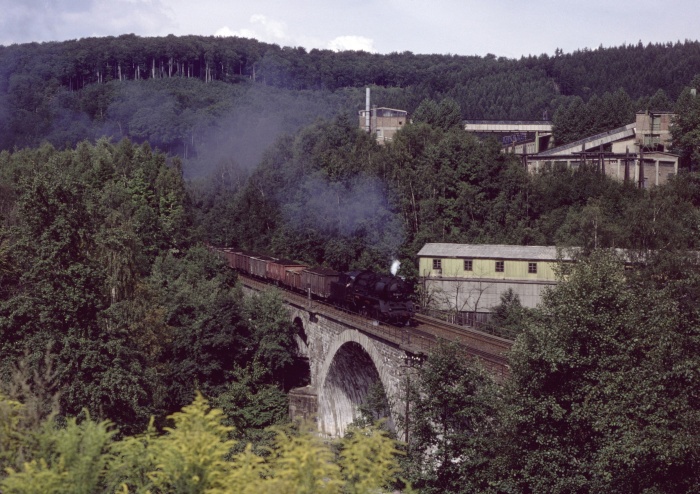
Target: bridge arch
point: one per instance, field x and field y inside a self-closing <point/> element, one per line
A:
<point x="352" y="364"/>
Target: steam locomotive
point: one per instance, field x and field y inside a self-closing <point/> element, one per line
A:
<point x="382" y="297"/>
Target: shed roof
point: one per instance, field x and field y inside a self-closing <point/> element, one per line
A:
<point x="490" y="251"/>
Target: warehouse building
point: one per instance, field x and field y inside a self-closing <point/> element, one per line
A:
<point x="463" y="278"/>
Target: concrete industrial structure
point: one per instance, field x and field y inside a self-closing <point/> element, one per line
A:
<point x="464" y="278"/>
<point x="507" y="126"/>
<point x="638" y="152"/>
<point x="534" y="135"/>
<point x="382" y="122"/>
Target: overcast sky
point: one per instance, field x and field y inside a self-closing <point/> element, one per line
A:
<point x="509" y="28"/>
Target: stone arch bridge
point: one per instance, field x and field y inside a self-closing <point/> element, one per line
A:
<point x="348" y="353"/>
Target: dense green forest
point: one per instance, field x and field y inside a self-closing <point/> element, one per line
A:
<point x="122" y="157"/>
<point x="108" y="303"/>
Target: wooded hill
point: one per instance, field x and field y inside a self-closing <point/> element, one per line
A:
<point x="179" y="93"/>
<point x="640" y="69"/>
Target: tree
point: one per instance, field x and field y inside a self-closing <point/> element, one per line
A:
<point x="73" y="459"/>
<point x="205" y="336"/>
<point x="659" y="102"/>
<point x="507" y="317"/>
<point x="190" y="457"/>
<point x="253" y="402"/>
<point x="685" y="130"/>
<point x="272" y="335"/>
<point x="600" y="398"/>
<point x="451" y="423"/>
<point x="444" y="115"/>
<point x="73" y="269"/>
<point x="368" y="460"/>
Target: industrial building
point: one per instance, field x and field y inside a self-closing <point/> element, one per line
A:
<point x="465" y="278"/>
<point x="382" y="122"/>
<point x="638" y="152"/>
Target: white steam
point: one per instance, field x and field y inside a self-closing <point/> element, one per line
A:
<point x="395" y="267"/>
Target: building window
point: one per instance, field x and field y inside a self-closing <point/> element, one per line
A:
<point x="500" y="266"/>
<point x="467" y="264"/>
<point x="532" y="267"/>
<point x="437" y="263"/>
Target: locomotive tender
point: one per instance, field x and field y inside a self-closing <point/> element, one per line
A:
<point x="382" y="297"/>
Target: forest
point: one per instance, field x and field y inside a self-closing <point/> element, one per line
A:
<point x="208" y="99"/>
<point x="130" y="361"/>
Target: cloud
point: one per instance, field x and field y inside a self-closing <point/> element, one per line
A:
<point x="271" y="27"/>
<point x="227" y="31"/>
<point x="354" y="43"/>
<point x="261" y="28"/>
<point x="271" y="30"/>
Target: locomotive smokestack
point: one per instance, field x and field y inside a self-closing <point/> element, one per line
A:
<point x="367" y="120"/>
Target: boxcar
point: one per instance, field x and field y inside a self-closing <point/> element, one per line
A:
<point x="276" y="270"/>
<point x="229" y="256"/>
<point x="292" y="279"/>
<point x="241" y="261"/>
<point x="318" y="280"/>
<point x="258" y="265"/>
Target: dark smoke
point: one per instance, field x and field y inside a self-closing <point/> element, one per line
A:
<point x="359" y="209"/>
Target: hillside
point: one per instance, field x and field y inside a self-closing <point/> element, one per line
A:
<point x="187" y="94"/>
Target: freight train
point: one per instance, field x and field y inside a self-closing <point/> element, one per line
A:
<point x="383" y="297"/>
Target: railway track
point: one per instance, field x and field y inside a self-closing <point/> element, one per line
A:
<point x="419" y="338"/>
<point x="490" y="349"/>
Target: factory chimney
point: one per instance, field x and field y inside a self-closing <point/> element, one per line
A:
<point x="368" y="127"/>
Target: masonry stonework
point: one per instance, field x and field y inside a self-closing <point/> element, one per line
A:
<point x="344" y="363"/>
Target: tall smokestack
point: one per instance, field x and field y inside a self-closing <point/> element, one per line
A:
<point x="367" y="120"/>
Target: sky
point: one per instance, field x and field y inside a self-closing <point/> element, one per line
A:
<point x="505" y="28"/>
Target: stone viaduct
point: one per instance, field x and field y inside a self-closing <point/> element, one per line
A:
<point x="347" y="354"/>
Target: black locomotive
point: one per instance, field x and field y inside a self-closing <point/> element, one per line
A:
<point x="383" y="297"/>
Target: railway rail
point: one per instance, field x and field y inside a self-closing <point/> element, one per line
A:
<point x="420" y="338"/>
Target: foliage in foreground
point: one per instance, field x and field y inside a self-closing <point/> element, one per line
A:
<point x="451" y="424"/>
<point x="84" y="457"/>
<point x="604" y="392"/>
<point x="108" y="303"/>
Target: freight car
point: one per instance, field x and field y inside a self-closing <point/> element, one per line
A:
<point x="383" y="297"/>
